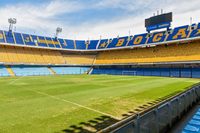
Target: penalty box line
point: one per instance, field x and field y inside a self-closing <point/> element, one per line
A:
<point x="79" y="105"/>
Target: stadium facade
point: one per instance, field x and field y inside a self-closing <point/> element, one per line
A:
<point x="173" y="53"/>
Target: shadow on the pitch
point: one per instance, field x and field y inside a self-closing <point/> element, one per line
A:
<point x="91" y="126"/>
<point x="102" y="122"/>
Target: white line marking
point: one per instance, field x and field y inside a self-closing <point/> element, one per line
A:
<point x="60" y="99"/>
<point x="12" y="82"/>
<point x="79" y="105"/>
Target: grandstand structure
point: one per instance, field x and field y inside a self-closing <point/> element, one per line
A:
<point x="168" y="53"/>
<point x="173" y="53"/>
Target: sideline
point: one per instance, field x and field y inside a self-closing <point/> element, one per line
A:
<point x="12" y="82"/>
<point x="79" y="105"/>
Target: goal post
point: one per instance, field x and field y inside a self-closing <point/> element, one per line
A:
<point x="134" y="73"/>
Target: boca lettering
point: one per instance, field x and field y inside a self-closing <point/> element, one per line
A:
<point x="1" y="36"/>
<point x="198" y="32"/>
<point x="120" y="42"/>
<point x="181" y="32"/>
<point x="157" y="37"/>
<point x="138" y="40"/>
<point x="41" y="41"/>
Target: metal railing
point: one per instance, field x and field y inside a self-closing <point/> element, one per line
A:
<point x="43" y="73"/>
<point x="159" y="118"/>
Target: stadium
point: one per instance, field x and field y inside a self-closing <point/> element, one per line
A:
<point x="143" y="83"/>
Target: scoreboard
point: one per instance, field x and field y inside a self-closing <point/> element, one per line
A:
<point x="158" y="22"/>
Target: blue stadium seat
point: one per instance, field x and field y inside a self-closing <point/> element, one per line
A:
<point x="195" y="32"/>
<point x="155" y="72"/>
<point x="140" y="72"/>
<point x="80" y="45"/>
<point x="147" y="72"/>
<point x="186" y="73"/>
<point x="174" y="72"/>
<point x="2" y="39"/>
<point x="62" y="43"/>
<point x="18" y="38"/>
<point x="70" y="44"/>
<point x="3" y="71"/>
<point x="29" y="40"/>
<point x="191" y="129"/>
<point x="34" y="40"/>
<point x="56" y="42"/>
<point x="165" y="72"/>
<point x="193" y="126"/>
<point x="30" y="70"/>
<point x="70" y="70"/>
<point x="42" y="41"/>
<point x="93" y="44"/>
<point x="98" y="71"/>
<point x="196" y="73"/>
<point x="9" y="37"/>
<point x="103" y="44"/>
<point x="50" y="42"/>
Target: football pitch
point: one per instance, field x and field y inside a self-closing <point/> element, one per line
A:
<point x="78" y="103"/>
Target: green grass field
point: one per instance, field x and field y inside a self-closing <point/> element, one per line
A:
<point x="56" y="104"/>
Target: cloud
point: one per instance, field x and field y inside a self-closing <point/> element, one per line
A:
<point x="43" y="18"/>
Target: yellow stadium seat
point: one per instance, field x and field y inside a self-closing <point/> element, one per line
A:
<point x="79" y="59"/>
<point x="29" y="55"/>
<point x="170" y="53"/>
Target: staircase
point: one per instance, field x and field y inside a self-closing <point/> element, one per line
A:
<point x="52" y="71"/>
<point x="10" y="71"/>
<point x="90" y="71"/>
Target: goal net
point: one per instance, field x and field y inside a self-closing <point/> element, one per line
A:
<point x="129" y="73"/>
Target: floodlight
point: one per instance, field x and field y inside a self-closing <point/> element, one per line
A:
<point x="58" y="30"/>
<point x="11" y="21"/>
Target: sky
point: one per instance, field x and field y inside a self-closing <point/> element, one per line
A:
<point x="90" y="19"/>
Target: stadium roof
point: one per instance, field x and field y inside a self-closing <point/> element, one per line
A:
<point x="91" y="18"/>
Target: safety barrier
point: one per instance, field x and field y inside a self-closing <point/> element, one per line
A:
<point x="159" y="118"/>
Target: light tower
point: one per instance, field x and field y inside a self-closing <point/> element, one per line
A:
<point x="58" y="30"/>
<point x="11" y="21"/>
